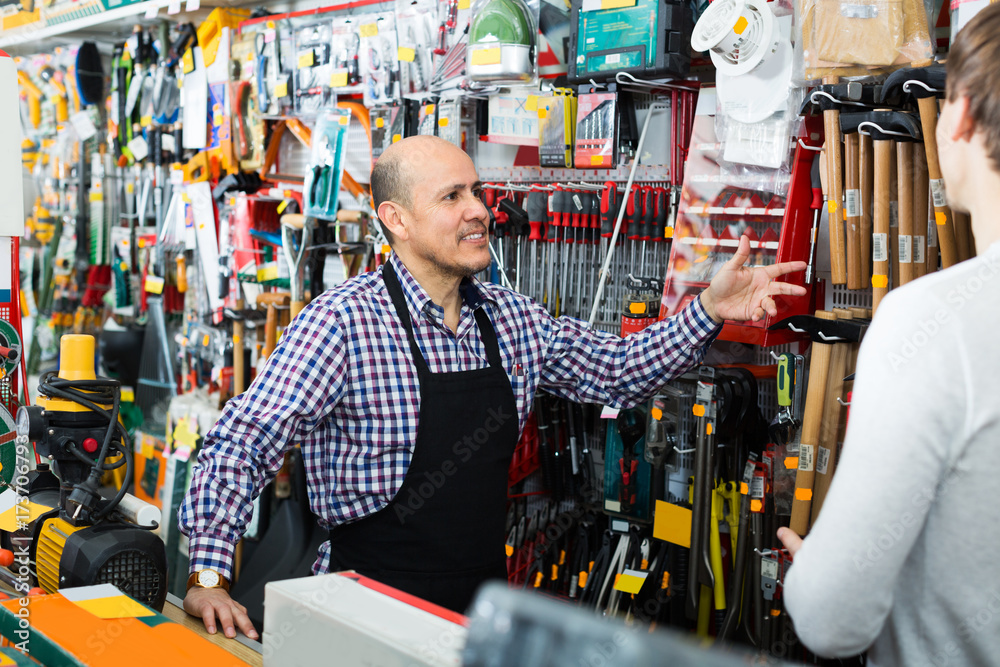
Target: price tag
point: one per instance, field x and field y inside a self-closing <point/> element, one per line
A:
<point x="154" y="284"/>
<point x="880" y="248"/>
<point x="281" y="89"/>
<point x="338" y="79"/>
<point x="489" y="56"/>
<point x="938" y="192"/>
<point x="174" y="7"/>
<point x="807" y="460"/>
<point x="379" y="123"/>
<point x="307" y="59"/>
<point x="464" y="4"/>
<point x="905" y="249"/>
<point x="83" y="125"/>
<point x="531" y="104"/>
<point x="139" y="148"/>
<point x="823" y="460"/>
<point x="368" y="29"/>
<point x="405" y="54"/>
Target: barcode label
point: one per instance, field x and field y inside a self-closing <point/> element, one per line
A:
<point x="822" y="460"/>
<point x="757" y="487"/>
<point x="748" y="472"/>
<point x="894" y="214"/>
<point x="852" y="203"/>
<point x="769" y="568"/>
<point x="880" y="250"/>
<point x="905" y="243"/>
<point x="919" y="256"/>
<point x="932" y="237"/>
<point x="938" y="193"/>
<point x="577" y="203"/>
<point x="807" y="459"/>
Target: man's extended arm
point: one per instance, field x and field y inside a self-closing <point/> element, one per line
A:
<point x="299" y="384"/>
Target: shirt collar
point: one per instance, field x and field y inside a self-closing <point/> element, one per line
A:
<point x="420" y="302"/>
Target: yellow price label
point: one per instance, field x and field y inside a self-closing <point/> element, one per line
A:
<point x="338" y="79"/>
<point x="307" y="59"/>
<point x="281" y="89"/>
<point x="368" y="29"/>
<point x="396" y="137"/>
<point x="464" y="4"/>
<point x="596" y="159"/>
<point x="154" y="284"/>
<point x="531" y="104"/>
<point x="405" y="54"/>
<point x="443" y="122"/>
<point x="488" y="56"/>
<point x="379" y="123"/>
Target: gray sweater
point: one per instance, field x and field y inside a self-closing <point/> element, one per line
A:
<point x="905" y="557"/>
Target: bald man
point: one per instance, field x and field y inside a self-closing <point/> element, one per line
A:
<point x="408" y="387"/>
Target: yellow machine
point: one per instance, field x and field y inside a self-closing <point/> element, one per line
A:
<point x="80" y="537"/>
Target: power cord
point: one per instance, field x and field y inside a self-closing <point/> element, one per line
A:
<point x="94" y="395"/>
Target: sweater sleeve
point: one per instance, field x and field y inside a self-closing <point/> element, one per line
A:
<point x="908" y="407"/>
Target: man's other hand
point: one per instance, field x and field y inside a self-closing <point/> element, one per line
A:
<point x="791" y="540"/>
<point x="209" y="603"/>
<point x="739" y="292"/>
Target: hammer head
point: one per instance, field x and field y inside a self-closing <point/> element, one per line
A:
<point x="916" y="82"/>
<point x="882" y="125"/>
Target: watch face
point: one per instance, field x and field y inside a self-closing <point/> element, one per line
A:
<point x="208" y="578"/>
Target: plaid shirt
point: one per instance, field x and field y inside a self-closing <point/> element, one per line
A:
<point x="343" y="385"/>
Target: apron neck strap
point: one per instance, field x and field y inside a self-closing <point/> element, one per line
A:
<point x="486" y="330"/>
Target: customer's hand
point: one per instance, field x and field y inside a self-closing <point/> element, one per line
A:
<point x="791" y="540"/>
<point x="209" y="603"/>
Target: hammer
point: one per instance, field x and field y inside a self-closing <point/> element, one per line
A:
<point x="926" y="82"/>
<point x="884" y="127"/>
<point x="273" y="301"/>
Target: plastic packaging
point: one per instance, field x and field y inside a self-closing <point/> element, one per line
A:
<point x="556" y="124"/>
<point x="326" y="164"/>
<point x="378" y="58"/>
<point x="860" y="37"/>
<point x="345" y="53"/>
<point x="312" y="67"/>
<point x="596" y="131"/>
<point x="415" y="34"/>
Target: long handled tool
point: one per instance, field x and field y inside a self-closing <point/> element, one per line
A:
<point x="921" y="191"/>
<point x="826" y="453"/>
<point x="834" y="179"/>
<point x="295" y="250"/>
<point x="700" y="573"/>
<point x="904" y="180"/>
<point x="856" y="275"/>
<point x="884" y="127"/>
<point x="812" y="420"/>
<point x="925" y="82"/>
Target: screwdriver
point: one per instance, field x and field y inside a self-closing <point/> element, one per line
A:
<point x="648" y="220"/>
<point x="609" y="213"/>
<point x="661" y="202"/>
<point x="537" y="211"/>
<point x="817" y="204"/>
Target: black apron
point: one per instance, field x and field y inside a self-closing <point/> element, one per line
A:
<point x="442" y="535"/>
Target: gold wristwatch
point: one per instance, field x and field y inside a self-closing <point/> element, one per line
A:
<point x="207" y="579"/>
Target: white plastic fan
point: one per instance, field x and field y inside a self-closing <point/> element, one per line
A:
<point x="738" y="34"/>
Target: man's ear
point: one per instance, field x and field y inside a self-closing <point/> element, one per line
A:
<point x="391" y="214"/>
<point x="964" y="126"/>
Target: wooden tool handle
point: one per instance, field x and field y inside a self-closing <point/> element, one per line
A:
<point x="963" y="235"/>
<point x="921" y="191"/>
<point x="834" y="180"/>
<point x="867" y="179"/>
<point x="344" y="215"/>
<point x="239" y="331"/>
<point x="942" y="214"/>
<point x="812" y="418"/>
<point x="293" y="220"/>
<point x="880" y="237"/>
<point x="852" y="210"/>
<point x="904" y="180"/>
<point x="826" y="452"/>
<point x="296" y="307"/>
<point x="270" y="332"/>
